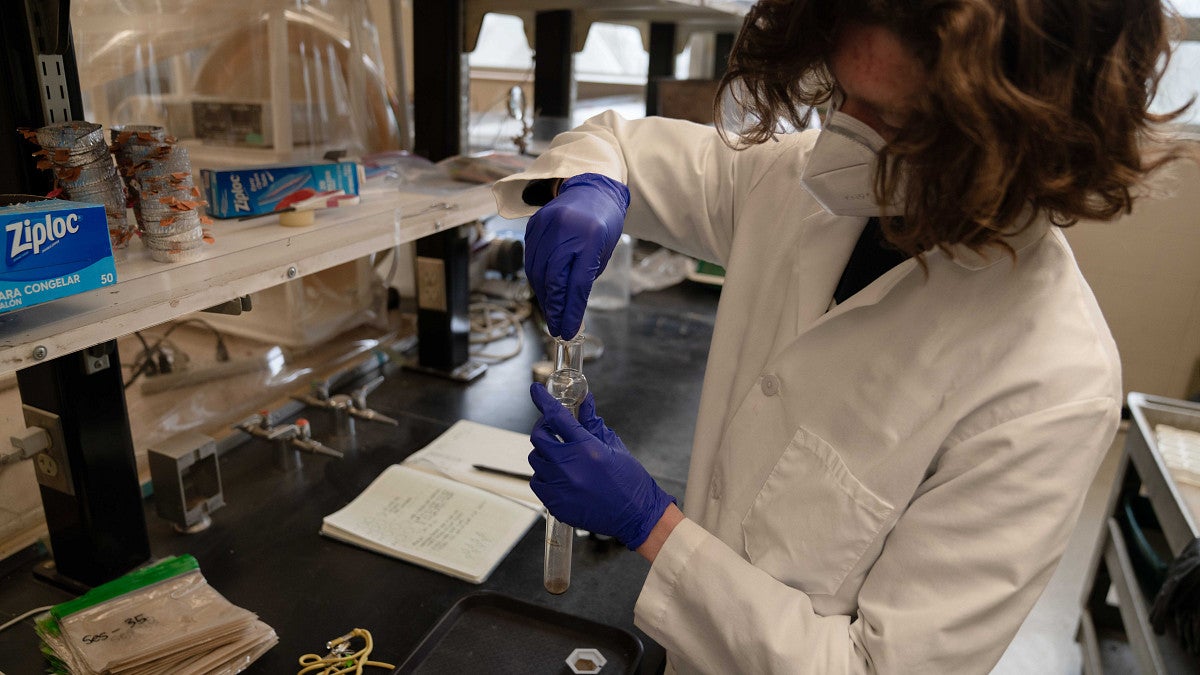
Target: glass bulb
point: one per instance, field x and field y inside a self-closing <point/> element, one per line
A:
<point x="569" y="387"/>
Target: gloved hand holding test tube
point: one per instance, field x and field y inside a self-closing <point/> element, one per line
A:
<point x="567" y="245"/>
<point x="582" y="472"/>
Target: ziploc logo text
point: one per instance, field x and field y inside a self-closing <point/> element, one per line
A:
<point x="241" y="201"/>
<point x="31" y="237"/>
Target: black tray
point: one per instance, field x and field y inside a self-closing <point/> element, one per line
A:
<point x="488" y="632"/>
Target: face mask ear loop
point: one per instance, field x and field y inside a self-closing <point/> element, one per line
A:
<point x="836" y="98"/>
<point x="850" y="126"/>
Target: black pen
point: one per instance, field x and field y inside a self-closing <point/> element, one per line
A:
<point x="501" y="472"/>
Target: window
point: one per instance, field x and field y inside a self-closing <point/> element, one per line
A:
<point x="502" y="44"/>
<point x="1182" y="79"/>
<point x="611" y="51"/>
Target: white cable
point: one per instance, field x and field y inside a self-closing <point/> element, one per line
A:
<point x="487" y="331"/>
<point x="395" y="265"/>
<point x="11" y="457"/>
<point x="492" y="321"/>
<point x="26" y="615"/>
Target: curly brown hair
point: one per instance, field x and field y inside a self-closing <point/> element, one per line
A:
<point x="1032" y="107"/>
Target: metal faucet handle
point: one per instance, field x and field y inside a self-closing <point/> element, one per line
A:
<point x="306" y="442"/>
<point x="259" y="425"/>
<point x="372" y="416"/>
<point x="359" y="396"/>
<point x="256" y="423"/>
<point x="282" y="433"/>
<point x="317" y="448"/>
<point x="318" y="395"/>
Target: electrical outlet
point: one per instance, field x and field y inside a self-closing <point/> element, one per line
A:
<point x="53" y="468"/>
<point x="52" y="78"/>
<point x="431" y="283"/>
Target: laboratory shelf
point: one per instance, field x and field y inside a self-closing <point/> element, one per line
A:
<point x="245" y="257"/>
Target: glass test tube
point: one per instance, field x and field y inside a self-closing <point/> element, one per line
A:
<point x="569" y="386"/>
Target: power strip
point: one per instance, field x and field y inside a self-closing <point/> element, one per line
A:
<point x="216" y="371"/>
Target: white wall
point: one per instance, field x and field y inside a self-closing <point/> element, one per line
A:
<point x="1145" y="271"/>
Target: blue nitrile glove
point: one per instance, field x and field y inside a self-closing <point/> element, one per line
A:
<point x="567" y="244"/>
<point x="588" y="479"/>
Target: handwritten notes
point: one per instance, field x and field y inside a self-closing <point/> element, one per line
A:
<point x="465" y="444"/>
<point x="433" y="521"/>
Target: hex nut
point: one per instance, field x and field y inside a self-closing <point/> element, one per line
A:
<point x="586" y="661"/>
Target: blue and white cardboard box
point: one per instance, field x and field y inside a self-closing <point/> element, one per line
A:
<point x="237" y="193"/>
<point x="52" y="249"/>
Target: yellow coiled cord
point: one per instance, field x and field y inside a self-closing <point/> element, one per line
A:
<point x="340" y="660"/>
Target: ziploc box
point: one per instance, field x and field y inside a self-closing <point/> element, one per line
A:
<point x="53" y="248"/>
<point x="236" y="193"/>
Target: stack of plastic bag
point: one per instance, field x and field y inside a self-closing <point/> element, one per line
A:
<point x="157" y="620"/>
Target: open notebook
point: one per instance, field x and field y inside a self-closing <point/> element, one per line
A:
<point x="437" y="511"/>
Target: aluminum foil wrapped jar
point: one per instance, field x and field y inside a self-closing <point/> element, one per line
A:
<point x="83" y="169"/>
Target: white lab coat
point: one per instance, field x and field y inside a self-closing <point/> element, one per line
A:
<point x="885" y="486"/>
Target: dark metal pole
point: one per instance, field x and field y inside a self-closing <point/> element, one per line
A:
<point x="440" y="84"/>
<point x="33" y="32"/>
<point x="90" y="489"/>
<point x="88" y="477"/>
<point x="662" y="62"/>
<point x="439" y="79"/>
<point x="553" y="73"/>
<point x="723" y="45"/>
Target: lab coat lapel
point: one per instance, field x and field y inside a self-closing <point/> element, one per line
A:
<point x="879" y="288"/>
<point x="873" y="293"/>
<point x="826" y="242"/>
<point x="823" y="248"/>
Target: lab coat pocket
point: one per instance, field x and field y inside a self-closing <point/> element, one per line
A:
<point x="813" y="520"/>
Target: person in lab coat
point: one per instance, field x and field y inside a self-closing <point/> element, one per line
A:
<point x="901" y="415"/>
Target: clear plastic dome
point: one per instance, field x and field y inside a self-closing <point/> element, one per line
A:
<point x="205" y="70"/>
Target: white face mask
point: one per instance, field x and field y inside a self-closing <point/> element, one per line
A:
<point x="840" y="173"/>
